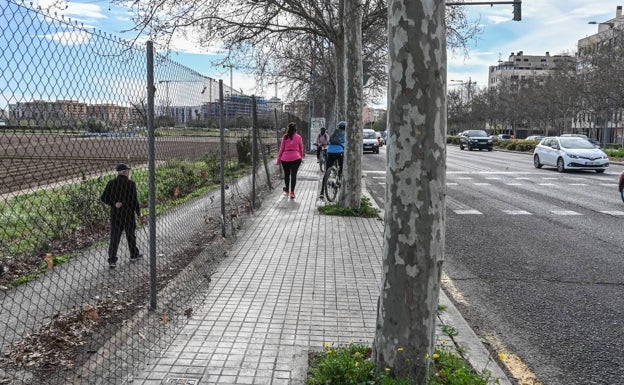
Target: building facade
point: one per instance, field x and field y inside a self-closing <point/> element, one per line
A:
<point x="519" y="67"/>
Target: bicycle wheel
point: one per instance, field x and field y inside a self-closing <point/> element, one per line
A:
<point x="332" y="183"/>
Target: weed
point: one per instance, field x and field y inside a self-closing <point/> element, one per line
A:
<point x="352" y="364"/>
<point x="449" y="330"/>
<point x="366" y="210"/>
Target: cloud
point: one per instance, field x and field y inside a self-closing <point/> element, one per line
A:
<point x="75" y="10"/>
<point x="69" y="38"/>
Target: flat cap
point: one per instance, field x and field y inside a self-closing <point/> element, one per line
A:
<point x="122" y="167"/>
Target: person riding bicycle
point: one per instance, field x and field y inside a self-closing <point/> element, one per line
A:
<point x="335" y="150"/>
<point x="321" y="143"/>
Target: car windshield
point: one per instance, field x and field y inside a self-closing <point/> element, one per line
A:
<point x="575" y="142"/>
<point x="370" y="135"/>
<point x="476" y="133"/>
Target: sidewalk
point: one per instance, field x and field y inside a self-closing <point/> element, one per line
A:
<point x="294" y="280"/>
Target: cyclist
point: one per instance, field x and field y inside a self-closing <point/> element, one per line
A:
<point x="335" y="151"/>
<point x="321" y="143"/>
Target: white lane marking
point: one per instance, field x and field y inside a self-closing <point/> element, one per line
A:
<point x="545" y="184"/>
<point x="492" y="178"/>
<point x="517" y="212"/>
<point x="452" y="184"/>
<point x="577" y="184"/>
<point x="564" y="212"/>
<point x="481" y="184"/>
<point x="468" y="212"/>
<point x="513" y="184"/>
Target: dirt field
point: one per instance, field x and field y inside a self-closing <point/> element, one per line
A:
<point x="29" y="161"/>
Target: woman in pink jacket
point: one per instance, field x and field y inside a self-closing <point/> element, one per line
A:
<point x="290" y="156"/>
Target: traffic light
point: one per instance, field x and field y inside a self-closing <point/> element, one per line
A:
<point x="517" y="10"/>
<point x="366" y="70"/>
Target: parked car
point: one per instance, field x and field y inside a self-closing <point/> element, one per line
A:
<point x="370" y="141"/>
<point x="471" y="139"/>
<point x="621" y="185"/>
<point x="569" y="153"/>
<point x="536" y="138"/>
<point x="503" y="137"/>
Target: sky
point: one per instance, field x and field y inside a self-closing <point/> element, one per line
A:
<point x="553" y="26"/>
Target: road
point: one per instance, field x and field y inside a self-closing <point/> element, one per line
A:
<point x="534" y="262"/>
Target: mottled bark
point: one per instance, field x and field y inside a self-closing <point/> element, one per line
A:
<point x="415" y="188"/>
<point x="352" y="189"/>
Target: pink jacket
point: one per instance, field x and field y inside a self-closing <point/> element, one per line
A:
<point x="291" y="149"/>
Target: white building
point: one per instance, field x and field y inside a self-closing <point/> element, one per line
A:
<point x="520" y="67"/>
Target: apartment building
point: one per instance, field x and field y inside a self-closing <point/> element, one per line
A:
<point x="606" y="123"/>
<point x="607" y="34"/>
<point x="519" y="67"/>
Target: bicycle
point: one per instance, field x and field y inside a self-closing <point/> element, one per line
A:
<point x="332" y="182"/>
<point x="322" y="159"/>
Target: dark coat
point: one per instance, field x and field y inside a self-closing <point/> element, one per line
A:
<point x="122" y="189"/>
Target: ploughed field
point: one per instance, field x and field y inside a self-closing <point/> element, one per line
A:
<point x="30" y="161"/>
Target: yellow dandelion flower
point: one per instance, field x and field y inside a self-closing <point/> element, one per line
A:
<point x="436" y="356"/>
<point x="388" y="370"/>
<point x="501" y="356"/>
<point x="330" y="352"/>
<point x="326" y="345"/>
<point x="427" y="356"/>
<point x="400" y="350"/>
<point x="357" y="363"/>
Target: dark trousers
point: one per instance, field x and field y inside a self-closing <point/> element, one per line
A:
<point x="290" y="174"/>
<point x="117" y="227"/>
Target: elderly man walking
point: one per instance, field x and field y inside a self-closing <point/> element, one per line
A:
<point x="121" y="195"/>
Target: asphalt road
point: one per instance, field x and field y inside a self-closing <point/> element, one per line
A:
<point x="536" y="260"/>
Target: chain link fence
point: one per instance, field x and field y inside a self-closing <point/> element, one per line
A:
<point x="75" y="103"/>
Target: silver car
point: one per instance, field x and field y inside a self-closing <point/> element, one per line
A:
<point x="569" y="153"/>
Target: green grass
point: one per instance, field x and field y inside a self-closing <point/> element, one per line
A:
<point x="366" y="210"/>
<point x="34" y="222"/>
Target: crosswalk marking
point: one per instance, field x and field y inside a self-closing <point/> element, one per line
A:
<point x="614" y="213"/>
<point x="517" y="212"/>
<point x="468" y="212"/>
<point x="565" y="212"/>
<point x="513" y="184"/>
<point x="577" y="184"/>
<point x="546" y="184"/>
<point x="482" y="184"/>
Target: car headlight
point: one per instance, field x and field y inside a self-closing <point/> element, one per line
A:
<point x="572" y="156"/>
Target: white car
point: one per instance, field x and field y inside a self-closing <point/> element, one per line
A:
<point x="371" y="143"/>
<point x="569" y="153"/>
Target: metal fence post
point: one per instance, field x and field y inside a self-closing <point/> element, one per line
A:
<point x="254" y="150"/>
<point x="222" y="156"/>
<point x="151" y="169"/>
